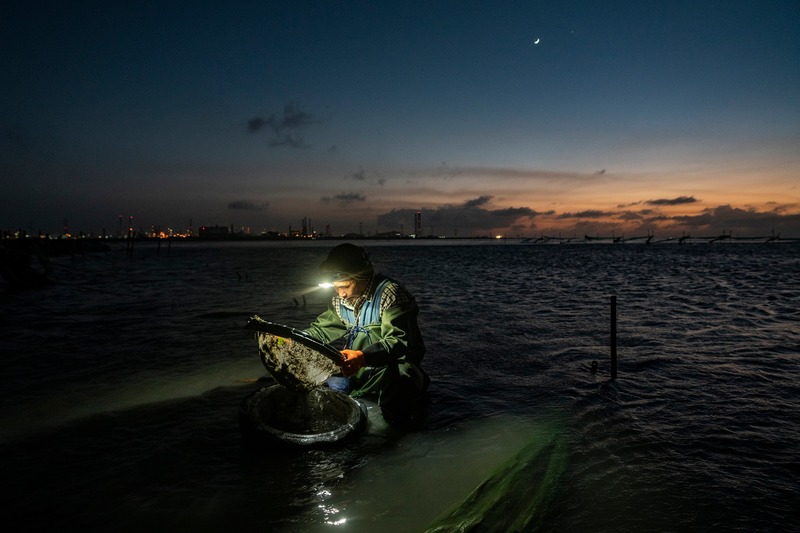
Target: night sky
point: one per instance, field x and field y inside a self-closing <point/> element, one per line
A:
<point x="519" y="118"/>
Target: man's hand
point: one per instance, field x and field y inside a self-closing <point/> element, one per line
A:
<point x="352" y="361"/>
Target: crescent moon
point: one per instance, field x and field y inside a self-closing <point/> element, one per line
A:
<point x="536" y="41"/>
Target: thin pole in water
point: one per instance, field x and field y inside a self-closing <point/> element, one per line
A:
<point x="613" y="337"/>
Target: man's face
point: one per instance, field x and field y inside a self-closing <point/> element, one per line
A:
<point x="348" y="288"/>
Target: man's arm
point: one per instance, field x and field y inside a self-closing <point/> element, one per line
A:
<point x="327" y="327"/>
<point x="399" y="336"/>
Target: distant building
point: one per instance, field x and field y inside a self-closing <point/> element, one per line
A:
<point x="214" y="232"/>
<point x="418" y="224"/>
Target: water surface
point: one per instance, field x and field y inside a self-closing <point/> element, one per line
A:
<point x="122" y="384"/>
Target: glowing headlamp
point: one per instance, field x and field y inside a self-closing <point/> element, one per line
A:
<point x="334" y="276"/>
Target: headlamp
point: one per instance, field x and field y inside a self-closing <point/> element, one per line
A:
<point x="330" y="277"/>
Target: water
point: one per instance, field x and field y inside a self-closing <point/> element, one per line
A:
<point x="122" y="383"/>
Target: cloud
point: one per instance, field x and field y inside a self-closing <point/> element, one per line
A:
<point x="744" y="222"/>
<point x="359" y="176"/>
<point x="363" y="176"/>
<point x="589" y="213"/>
<point x="470" y="217"/>
<point x="783" y="208"/>
<point x="504" y="172"/>
<point x="477" y="202"/>
<point x="285" y="127"/>
<point x="255" y="124"/>
<point x="710" y="222"/>
<point x="246" y="205"/>
<point x="345" y="198"/>
<point x="632" y="215"/>
<point x="294" y="118"/>
<point x="514" y="212"/>
<point x="292" y="141"/>
<point x="680" y="200"/>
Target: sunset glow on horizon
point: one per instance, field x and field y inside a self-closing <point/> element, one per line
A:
<point x="524" y="120"/>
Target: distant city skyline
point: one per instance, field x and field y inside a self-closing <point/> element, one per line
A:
<point x="517" y="119"/>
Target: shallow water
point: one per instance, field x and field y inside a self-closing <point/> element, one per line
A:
<point x="122" y="385"/>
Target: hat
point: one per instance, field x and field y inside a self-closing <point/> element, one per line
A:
<point x="347" y="261"/>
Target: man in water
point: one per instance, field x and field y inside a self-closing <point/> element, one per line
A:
<point x="374" y="321"/>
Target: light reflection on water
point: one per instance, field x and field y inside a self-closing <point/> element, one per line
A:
<point x="122" y="385"/>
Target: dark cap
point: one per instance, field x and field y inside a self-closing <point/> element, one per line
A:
<point x="347" y="261"/>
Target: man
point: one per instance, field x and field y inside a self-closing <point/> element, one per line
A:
<point x="373" y="320"/>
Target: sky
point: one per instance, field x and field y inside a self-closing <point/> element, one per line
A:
<point x="523" y="118"/>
